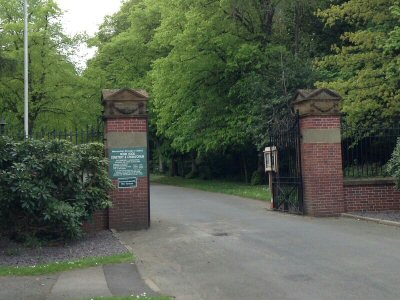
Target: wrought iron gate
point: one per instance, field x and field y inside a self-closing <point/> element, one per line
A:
<point x="287" y="182"/>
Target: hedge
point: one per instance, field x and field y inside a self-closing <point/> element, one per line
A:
<point x="49" y="188"/>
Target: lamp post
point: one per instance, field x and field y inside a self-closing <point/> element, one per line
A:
<point x="26" y="106"/>
<point x="271" y="166"/>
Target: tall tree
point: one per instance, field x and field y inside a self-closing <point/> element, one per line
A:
<point x="53" y="79"/>
<point x="361" y="69"/>
<point x="218" y="71"/>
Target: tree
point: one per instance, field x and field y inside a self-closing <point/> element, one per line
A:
<point x="53" y="79"/>
<point x="124" y="51"/>
<point x="218" y="71"/>
<point x="193" y="86"/>
<point x="362" y="68"/>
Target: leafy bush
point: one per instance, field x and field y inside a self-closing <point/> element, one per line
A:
<point x="191" y="175"/>
<point x="393" y="166"/>
<point x="49" y="188"/>
<point x="257" y="178"/>
<point x="204" y="173"/>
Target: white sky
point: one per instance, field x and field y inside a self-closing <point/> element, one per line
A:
<point x="86" y="15"/>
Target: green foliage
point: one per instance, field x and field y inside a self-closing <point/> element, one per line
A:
<point x="257" y="178"/>
<point x="393" y="166"/>
<point x="205" y="173"/>
<point x="125" y="52"/>
<point x="218" y="72"/>
<point x="217" y="186"/>
<point x="226" y="75"/>
<point x="56" y="267"/>
<point x="365" y="67"/>
<point x="49" y="188"/>
<point x="55" y="87"/>
<point x="191" y="175"/>
<point x="139" y="297"/>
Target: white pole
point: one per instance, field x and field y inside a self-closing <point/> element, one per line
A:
<point x="26" y="119"/>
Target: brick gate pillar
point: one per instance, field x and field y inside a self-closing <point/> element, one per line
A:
<point x="126" y="135"/>
<point x="321" y="151"/>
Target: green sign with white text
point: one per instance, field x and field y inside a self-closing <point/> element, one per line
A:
<point x="127" y="183"/>
<point x="128" y="162"/>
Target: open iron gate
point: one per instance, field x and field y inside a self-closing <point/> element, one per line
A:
<point x="287" y="182"/>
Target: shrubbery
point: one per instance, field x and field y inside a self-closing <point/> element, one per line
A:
<point x="257" y="178"/>
<point x="393" y="166"/>
<point x="49" y="188"/>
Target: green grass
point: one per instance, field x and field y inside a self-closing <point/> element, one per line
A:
<point x="217" y="186"/>
<point x="56" y="267"/>
<point x="133" y="297"/>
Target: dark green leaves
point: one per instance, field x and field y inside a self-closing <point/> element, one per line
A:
<point x="49" y="188"/>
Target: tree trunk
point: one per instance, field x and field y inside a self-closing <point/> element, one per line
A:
<point x="267" y="17"/>
<point x="174" y="167"/>
<point x="194" y="164"/>
<point x="298" y="19"/>
<point x="246" y="175"/>
<point x="260" y="162"/>
<point x="160" y="160"/>
<point x="182" y="166"/>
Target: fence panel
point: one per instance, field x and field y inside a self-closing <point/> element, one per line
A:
<point x="365" y="151"/>
<point x="88" y="135"/>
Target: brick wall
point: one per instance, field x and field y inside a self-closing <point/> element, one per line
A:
<point x="127" y="125"/>
<point x="320" y="122"/>
<point x="99" y="222"/>
<point x="322" y="170"/>
<point x="371" y="195"/>
<point x="326" y="192"/>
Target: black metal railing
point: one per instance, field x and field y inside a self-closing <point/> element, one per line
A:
<point x="366" y="151"/>
<point x="78" y="136"/>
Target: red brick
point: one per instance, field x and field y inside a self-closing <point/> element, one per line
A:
<point x="130" y="207"/>
<point x="371" y="197"/>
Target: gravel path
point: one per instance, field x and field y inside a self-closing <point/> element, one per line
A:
<point x="384" y="215"/>
<point x="100" y="244"/>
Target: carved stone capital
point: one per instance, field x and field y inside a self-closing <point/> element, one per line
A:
<point x="319" y="102"/>
<point x="124" y="103"/>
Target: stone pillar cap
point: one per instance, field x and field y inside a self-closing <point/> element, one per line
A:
<point x="317" y="102"/>
<point x="124" y="103"/>
<point x="125" y="94"/>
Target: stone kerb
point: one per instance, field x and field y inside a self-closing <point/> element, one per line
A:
<point x="126" y="134"/>
<point x="321" y="151"/>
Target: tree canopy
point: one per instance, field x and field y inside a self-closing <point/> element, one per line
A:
<point x="219" y="72"/>
<point x="53" y="79"/>
<point x="364" y="67"/>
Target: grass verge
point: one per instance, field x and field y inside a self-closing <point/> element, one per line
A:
<point x="133" y="297"/>
<point x="56" y="267"/>
<point x="218" y="186"/>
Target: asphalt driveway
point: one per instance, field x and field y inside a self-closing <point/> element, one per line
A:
<point x="210" y="246"/>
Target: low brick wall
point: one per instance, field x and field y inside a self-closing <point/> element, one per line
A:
<point x="99" y="222"/>
<point x="371" y="195"/>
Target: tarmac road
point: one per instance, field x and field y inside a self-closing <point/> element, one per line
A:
<point x="211" y="246"/>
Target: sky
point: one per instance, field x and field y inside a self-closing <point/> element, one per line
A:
<point x="86" y="15"/>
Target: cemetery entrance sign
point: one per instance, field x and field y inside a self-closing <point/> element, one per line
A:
<point x="128" y="162"/>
